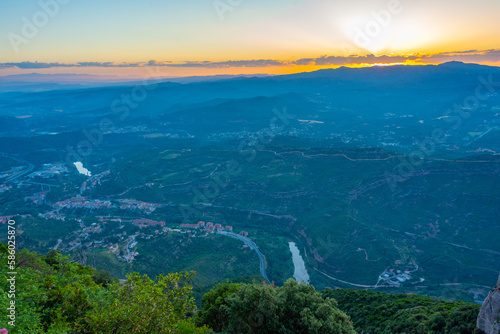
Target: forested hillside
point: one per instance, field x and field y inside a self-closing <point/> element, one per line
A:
<point x="55" y="295"/>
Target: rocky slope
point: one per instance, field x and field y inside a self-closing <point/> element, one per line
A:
<point x="489" y="316"/>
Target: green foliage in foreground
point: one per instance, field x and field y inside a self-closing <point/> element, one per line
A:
<point x="53" y="295"/>
<point x="376" y="312"/>
<point x="263" y="308"/>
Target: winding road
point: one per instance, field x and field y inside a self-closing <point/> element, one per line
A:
<point x="20" y="173"/>
<point x="253" y="246"/>
<point x="132" y="239"/>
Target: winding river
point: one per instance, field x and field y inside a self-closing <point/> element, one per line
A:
<point x="300" y="273"/>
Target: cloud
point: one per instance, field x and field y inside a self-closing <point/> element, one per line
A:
<point x="37" y="65"/>
<point x="99" y="64"/>
<point x="305" y="61"/>
<point x="158" y="63"/>
<point x="368" y="59"/>
<point x="320" y="61"/>
<point x="471" y="56"/>
<point x="206" y="64"/>
<point x="232" y="63"/>
<point x="28" y="64"/>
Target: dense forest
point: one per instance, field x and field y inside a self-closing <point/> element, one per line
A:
<point x="375" y="312"/>
<point x="55" y="295"/>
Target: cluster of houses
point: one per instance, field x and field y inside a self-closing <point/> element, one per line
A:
<point x="208" y="227"/>
<point x="132" y="204"/>
<point x="51" y="215"/>
<point x="104" y="220"/>
<point x="129" y="257"/>
<point x="96" y="244"/>
<point x="49" y="170"/>
<point x="91" y="244"/>
<point x="5" y="219"/>
<point x="147" y="222"/>
<point x="82" y="203"/>
<point x="75" y="243"/>
<point x="12" y="172"/>
<point x="94" y="180"/>
<point x="395" y="277"/>
<point x="37" y="198"/>
<point x="94" y="228"/>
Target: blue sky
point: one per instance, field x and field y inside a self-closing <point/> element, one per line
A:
<point x="133" y="31"/>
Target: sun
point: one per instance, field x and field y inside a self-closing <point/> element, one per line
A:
<point x="374" y="35"/>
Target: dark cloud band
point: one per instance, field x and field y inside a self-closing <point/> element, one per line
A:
<point x="475" y="56"/>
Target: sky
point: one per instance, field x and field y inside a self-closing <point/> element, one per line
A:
<point x="207" y="37"/>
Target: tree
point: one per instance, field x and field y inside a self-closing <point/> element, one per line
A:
<point x="255" y="308"/>
<point x="51" y="293"/>
<point x="142" y="305"/>
<point x="54" y="295"/>
<point x="212" y="303"/>
<point x="104" y="278"/>
<point x="377" y="312"/>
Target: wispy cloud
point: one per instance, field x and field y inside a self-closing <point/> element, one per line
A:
<point x="233" y="63"/>
<point x="469" y="56"/>
<point x="28" y="64"/>
<point x="474" y="56"/>
<point x="35" y="65"/>
<point x="204" y="64"/>
<point x="368" y="59"/>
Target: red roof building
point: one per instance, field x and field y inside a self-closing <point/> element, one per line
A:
<point x="147" y="222"/>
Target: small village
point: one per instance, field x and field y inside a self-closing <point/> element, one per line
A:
<point x="132" y="204"/>
<point x="208" y="227"/>
<point x="91" y="236"/>
<point x="395" y="277"/>
<point x="49" y="170"/>
<point x="82" y="203"/>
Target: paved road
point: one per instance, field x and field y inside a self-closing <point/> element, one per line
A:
<point x="42" y="184"/>
<point x="253" y="246"/>
<point x="58" y="243"/>
<point x="21" y="173"/>
<point x="354" y="284"/>
<point x="128" y="246"/>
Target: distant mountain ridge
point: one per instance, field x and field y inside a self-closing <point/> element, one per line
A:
<point x="383" y="176"/>
<point x="37" y="82"/>
<point x="417" y="99"/>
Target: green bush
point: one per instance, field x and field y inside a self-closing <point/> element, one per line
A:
<point x="263" y="308"/>
<point x="376" y="312"/>
<point x="54" y="295"/>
